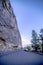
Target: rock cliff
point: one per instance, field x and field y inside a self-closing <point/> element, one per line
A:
<point x="9" y="33"/>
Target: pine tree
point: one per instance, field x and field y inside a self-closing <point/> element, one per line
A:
<point x="34" y="40"/>
<point x="41" y="38"/>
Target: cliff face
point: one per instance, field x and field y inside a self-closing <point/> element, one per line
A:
<point x="9" y="33"/>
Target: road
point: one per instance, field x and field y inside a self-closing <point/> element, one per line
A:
<point x="21" y="58"/>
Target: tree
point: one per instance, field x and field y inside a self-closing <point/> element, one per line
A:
<point x="41" y="38"/>
<point x="34" y="40"/>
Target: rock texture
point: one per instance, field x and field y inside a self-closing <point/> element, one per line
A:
<point x="9" y="33"/>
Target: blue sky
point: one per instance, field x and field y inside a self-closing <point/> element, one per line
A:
<point x="29" y="15"/>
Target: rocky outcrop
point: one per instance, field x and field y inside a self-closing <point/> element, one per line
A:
<point x="9" y="33"/>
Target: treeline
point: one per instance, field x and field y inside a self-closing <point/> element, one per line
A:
<point x="37" y="40"/>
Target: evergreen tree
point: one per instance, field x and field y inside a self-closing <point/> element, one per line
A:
<point x="34" y="40"/>
<point x="41" y="38"/>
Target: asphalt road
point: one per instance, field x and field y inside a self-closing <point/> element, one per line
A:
<point x="21" y="58"/>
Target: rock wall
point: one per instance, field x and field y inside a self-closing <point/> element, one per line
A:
<point x="9" y="32"/>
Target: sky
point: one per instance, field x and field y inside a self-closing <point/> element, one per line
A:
<point x="29" y="15"/>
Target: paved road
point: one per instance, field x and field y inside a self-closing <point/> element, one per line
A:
<point x="21" y="58"/>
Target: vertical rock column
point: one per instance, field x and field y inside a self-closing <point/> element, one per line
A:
<point x="8" y="25"/>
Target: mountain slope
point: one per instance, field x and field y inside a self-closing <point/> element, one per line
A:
<point x="9" y="32"/>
